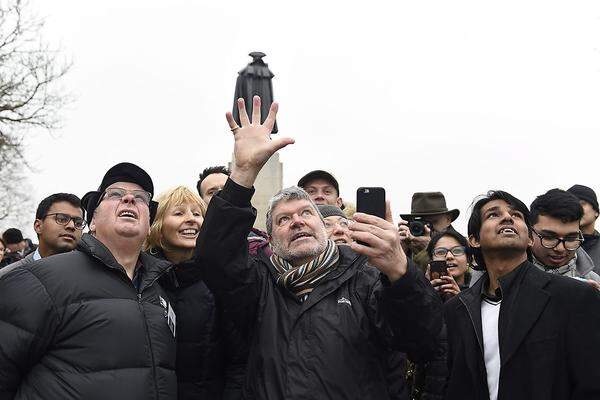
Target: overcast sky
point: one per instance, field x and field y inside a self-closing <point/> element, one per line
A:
<point x="455" y="96"/>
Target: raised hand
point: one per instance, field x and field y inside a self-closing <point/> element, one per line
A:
<point x="253" y="145"/>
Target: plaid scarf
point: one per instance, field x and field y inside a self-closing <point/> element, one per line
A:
<point x="301" y="280"/>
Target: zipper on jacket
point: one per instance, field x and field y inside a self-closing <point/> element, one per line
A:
<point x="473" y="323"/>
<point x="124" y="275"/>
<point x="139" y="296"/>
<point x="141" y="307"/>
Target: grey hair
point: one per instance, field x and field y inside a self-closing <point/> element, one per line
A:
<point x="284" y="195"/>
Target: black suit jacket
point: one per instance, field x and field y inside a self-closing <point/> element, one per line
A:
<point x="551" y="349"/>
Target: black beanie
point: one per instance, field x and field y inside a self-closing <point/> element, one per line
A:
<point x="327" y="210"/>
<point x="586" y="194"/>
<point x="122" y="172"/>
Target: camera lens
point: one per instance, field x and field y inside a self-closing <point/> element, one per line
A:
<point x="417" y="228"/>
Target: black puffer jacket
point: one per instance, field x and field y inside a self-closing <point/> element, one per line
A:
<point x="73" y="326"/>
<point x="200" y="351"/>
<point x="332" y="346"/>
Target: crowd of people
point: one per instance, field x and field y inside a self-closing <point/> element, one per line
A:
<point x="128" y="295"/>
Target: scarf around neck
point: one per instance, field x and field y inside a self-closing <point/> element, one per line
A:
<point x="569" y="269"/>
<point x="301" y="280"/>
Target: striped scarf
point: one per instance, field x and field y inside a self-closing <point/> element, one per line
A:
<point x="303" y="279"/>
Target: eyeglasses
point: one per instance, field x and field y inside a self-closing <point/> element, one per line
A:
<point x="342" y="223"/>
<point x="64" y="219"/>
<point x="441" y="252"/>
<point x="118" y="193"/>
<point x="551" y="241"/>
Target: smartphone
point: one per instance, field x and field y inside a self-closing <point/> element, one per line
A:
<point x="437" y="269"/>
<point x="371" y="200"/>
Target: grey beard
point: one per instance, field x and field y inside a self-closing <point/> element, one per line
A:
<point x="288" y="256"/>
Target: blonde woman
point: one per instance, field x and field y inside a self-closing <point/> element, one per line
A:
<point x="173" y="237"/>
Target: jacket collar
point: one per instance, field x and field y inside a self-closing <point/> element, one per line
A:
<point x="530" y="300"/>
<point x="153" y="267"/>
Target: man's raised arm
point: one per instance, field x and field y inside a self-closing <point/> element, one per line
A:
<point x="222" y="249"/>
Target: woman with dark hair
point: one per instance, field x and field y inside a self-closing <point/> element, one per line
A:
<point x="451" y="247"/>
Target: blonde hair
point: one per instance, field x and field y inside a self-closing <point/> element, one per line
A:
<point x="171" y="198"/>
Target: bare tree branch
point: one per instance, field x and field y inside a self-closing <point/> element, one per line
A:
<point x="30" y="97"/>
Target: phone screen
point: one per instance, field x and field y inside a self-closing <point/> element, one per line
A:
<point x="437" y="269"/>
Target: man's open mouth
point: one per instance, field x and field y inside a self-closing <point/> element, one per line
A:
<point x="128" y="214"/>
<point x="300" y="235"/>
<point x="507" y="230"/>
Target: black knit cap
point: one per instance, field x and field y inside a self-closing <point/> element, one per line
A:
<point x="327" y="210"/>
<point x="122" y="172"/>
<point x="586" y="194"/>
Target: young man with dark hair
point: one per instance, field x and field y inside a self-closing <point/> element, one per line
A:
<point x="210" y="181"/>
<point x="589" y="202"/>
<point x="519" y="333"/>
<point x="58" y="224"/>
<point x="557" y="237"/>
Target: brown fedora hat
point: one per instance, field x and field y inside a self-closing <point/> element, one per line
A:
<point x="429" y="203"/>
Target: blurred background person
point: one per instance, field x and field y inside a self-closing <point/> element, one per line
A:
<point x="172" y="237"/>
<point x="589" y="202"/>
<point x="211" y="181"/>
<point x="2" y="251"/>
<point x="17" y="247"/>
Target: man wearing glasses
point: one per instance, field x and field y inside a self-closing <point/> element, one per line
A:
<point x="92" y="323"/>
<point x="58" y="224"/>
<point x="557" y="237"/>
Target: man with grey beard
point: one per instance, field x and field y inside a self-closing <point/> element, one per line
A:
<point x="321" y="318"/>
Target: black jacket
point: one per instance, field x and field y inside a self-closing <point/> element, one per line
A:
<point x="200" y="351"/>
<point x="591" y="245"/>
<point x="550" y="349"/>
<point x="332" y="346"/>
<point x="73" y="326"/>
